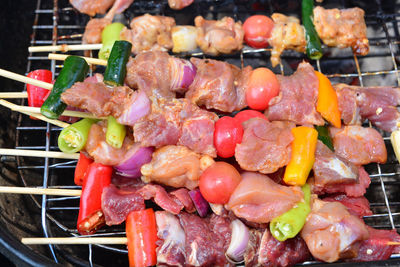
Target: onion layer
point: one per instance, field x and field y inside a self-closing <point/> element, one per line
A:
<point x="200" y="203"/>
<point x="135" y="159"/>
<point x="239" y="240"/>
<point x="137" y="107"/>
<point x="182" y="74"/>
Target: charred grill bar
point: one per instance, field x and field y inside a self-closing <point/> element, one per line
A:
<point x="57" y="23"/>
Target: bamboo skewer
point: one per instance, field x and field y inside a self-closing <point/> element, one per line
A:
<point x="40" y="191"/>
<point x="75" y="240"/>
<point x="14" y="95"/>
<point x="24" y="79"/>
<point x="89" y="60"/>
<point x="34" y="110"/>
<point x="64" y="47"/>
<point x="43" y="118"/>
<point x="38" y="153"/>
<point x="392" y="243"/>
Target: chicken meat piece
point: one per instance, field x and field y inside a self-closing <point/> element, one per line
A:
<point x="149" y="33"/>
<point x="93" y="29"/>
<point x="175" y="166"/>
<point x="216" y="37"/>
<point x="177" y="122"/>
<point x="159" y="74"/>
<point x="218" y="85"/>
<point x="377" y="104"/>
<point x="352" y="190"/>
<point x="287" y="33"/>
<point x="332" y="233"/>
<point x="329" y="169"/>
<point x="179" y="4"/>
<point x="359" y="145"/>
<point x="92" y="7"/>
<point x="171" y="240"/>
<point x="297" y="98"/>
<point x="342" y="28"/>
<point x="259" y="199"/>
<point x="265" y="146"/>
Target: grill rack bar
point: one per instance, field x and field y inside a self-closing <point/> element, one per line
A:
<point x="49" y="206"/>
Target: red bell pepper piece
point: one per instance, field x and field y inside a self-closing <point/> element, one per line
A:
<point x="81" y="168"/>
<point x="90" y="218"/>
<point x="37" y="95"/>
<point x="141" y="231"/>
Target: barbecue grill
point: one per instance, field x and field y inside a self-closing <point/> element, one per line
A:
<point x="56" y="22"/>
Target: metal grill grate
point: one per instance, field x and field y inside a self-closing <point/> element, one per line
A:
<point x="57" y="23"/>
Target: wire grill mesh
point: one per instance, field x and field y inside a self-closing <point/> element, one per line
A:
<point x="57" y="23"/>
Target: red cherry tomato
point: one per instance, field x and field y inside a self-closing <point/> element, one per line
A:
<point x="228" y="132"/>
<point x="257" y="30"/>
<point x="218" y="182"/>
<point x="263" y="86"/>
<point x="248" y="114"/>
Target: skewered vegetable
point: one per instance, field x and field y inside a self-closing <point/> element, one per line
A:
<point x="109" y="35"/>
<point x="395" y="140"/>
<point x="134" y="161"/>
<point x="257" y="30"/>
<point x="218" y="182"/>
<point x="228" y="132"/>
<point x="81" y="168"/>
<point x="73" y="138"/>
<point x="289" y="224"/>
<point x="248" y="114"/>
<point x="327" y="104"/>
<point x="303" y="155"/>
<point x="141" y="231"/>
<point x="116" y="68"/>
<point x="199" y="202"/>
<point x="313" y="46"/>
<point x="90" y="216"/>
<point x="240" y="239"/>
<point x="263" y="86"/>
<point x="324" y="137"/>
<point x="37" y="95"/>
<point x="116" y="132"/>
<point x="74" y="70"/>
<point x="183" y="38"/>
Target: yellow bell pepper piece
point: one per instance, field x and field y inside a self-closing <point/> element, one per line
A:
<point x="327" y="104"/>
<point x="303" y="155"/>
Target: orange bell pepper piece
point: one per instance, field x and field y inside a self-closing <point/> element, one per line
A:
<point x="327" y="104"/>
<point x="303" y="155"/>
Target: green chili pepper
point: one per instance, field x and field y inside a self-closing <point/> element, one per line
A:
<point x="324" y="137"/>
<point x="109" y="35"/>
<point x="313" y="46"/>
<point x="116" y="132"/>
<point x="289" y="224"/>
<point x="73" y="138"/>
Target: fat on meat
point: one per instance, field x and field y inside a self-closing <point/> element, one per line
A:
<point x="179" y="4"/>
<point x="287" y="33"/>
<point x="205" y="243"/>
<point x="258" y="199"/>
<point x="177" y="122"/>
<point x="97" y="147"/>
<point x="377" y="104"/>
<point x="218" y="85"/>
<point x="265" y="146"/>
<point x="116" y="204"/>
<point x="352" y="190"/>
<point x="375" y="247"/>
<point x="103" y="101"/>
<point x="332" y="233"/>
<point x="329" y="169"/>
<point x="175" y="166"/>
<point x="342" y="28"/>
<point x="264" y="250"/>
<point x="92" y="7"/>
<point x="358" y="206"/>
<point x="359" y="145"/>
<point x="171" y="240"/>
<point x="297" y="98"/>
<point x="149" y="33"/>
<point x="216" y="37"/>
<point x="155" y="73"/>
